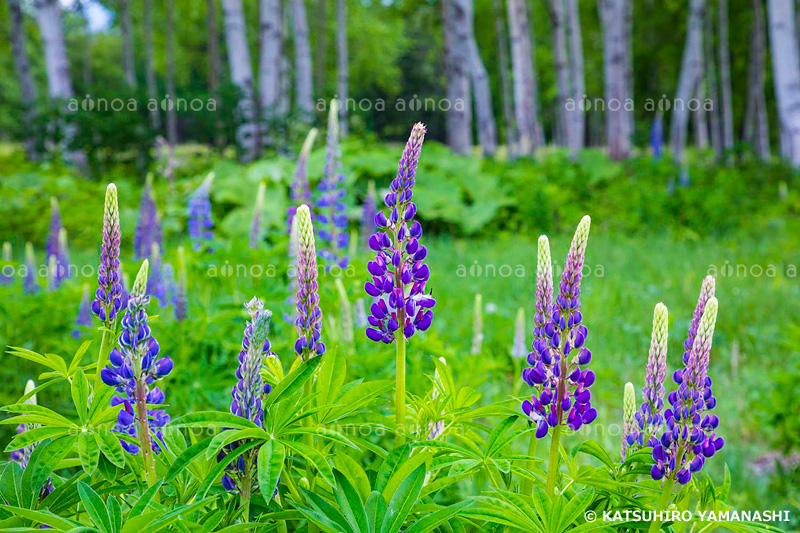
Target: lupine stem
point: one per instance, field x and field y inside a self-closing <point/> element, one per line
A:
<point x="527" y="485"/>
<point x="102" y="358"/>
<point x="145" y="443"/>
<point x="666" y="495"/>
<point x="400" y="384"/>
<point x="552" y="465"/>
<point x="309" y="437"/>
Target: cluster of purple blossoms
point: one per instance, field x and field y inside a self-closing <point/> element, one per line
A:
<point x="30" y="285"/>
<point x="148" y="227"/>
<point x="134" y="369"/>
<point x="57" y="253"/>
<point x="249" y="392"/>
<point x="331" y="217"/>
<point x="299" y="190"/>
<point x="558" y="360"/>
<point x="108" y="297"/>
<point x="369" y="208"/>
<point x="308" y="321"/>
<point x="689" y="436"/>
<point x="201" y="224"/>
<point x="399" y="274"/>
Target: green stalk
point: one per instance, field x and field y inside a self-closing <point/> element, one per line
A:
<point x="527" y="484"/>
<point x="400" y="385"/>
<point x="309" y="437"/>
<point x="663" y="503"/>
<point x="145" y="444"/>
<point x="102" y="358"/>
<point x="552" y="465"/>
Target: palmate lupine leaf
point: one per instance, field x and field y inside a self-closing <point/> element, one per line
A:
<point x="270" y="463"/>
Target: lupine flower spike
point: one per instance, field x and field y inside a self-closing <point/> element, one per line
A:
<point x="53" y="245"/>
<point x="331" y="218"/>
<point x="689" y="436"/>
<point x="148" y="227"/>
<point x="368" y="211"/>
<point x="293" y="252"/>
<point x="345" y="313"/>
<point x="255" y="223"/>
<point x="134" y="369"/>
<point x="477" y="325"/>
<point x="649" y="419"/>
<point x="201" y="224"/>
<point x="156" y="287"/>
<point x="309" y="315"/>
<point x="63" y="257"/>
<point x="182" y="287"/>
<point x="628" y="418"/>
<point x="84" y="318"/>
<point x="30" y="284"/>
<point x="108" y="297"/>
<point x="299" y="192"/>
<point x="5" y="277"/>
<point x="518" y="350"/>
<point x="52" y="274"/>
<point x="23" y="455"/>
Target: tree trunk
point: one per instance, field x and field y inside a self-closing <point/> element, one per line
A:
<point x="150" y="73"/>
<point x="529" y="133"/>
<point x="322" y="25"/>
<point x="86" y="67"/>
<point x="484" y="115"/>
<point x="342" y="65"/>
<point x="756" y="125"/>
<point x="456" y="39"/>
<point x="127" y="44"/>
<point x="172" y="119"/>
<point x="559" y="30"/>
<point x="241" y="76"/>
<point x="26" y="85"/>
<point x="269" y="72"/>
<point x="615" y="75"/>
<point x="700" y="116"/>
<point x="786" y="74"/>
<point x="725" y="77"/>
<point x="304" y="93"/>
<point x="578" y="115"/>
<point x="505" y="83"/>
<point x="690" y="75"/>
<point x="285" y="83"/>
<point x="715" y="122"/>
<point x="214" y="61"/>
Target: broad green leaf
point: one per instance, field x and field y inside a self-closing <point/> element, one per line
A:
<point x="270" y="462"/>
<point x="402" y="471"/>
<point x="402" y="501"/>
<point x="40" y="411"/>
<point x="110" y="446"/>
<point x="390" y="465"/>
<point x="43" y="461"/>
<point x="186" y="457"/>
<point x="350" y="503"/>
<point x="42" y="517"/>
<point x="223" y="438"/>
<point x="95" y="507"/>
<point x="591" y="447"/>
<point x="89" y="452"/>
<point x="212" y="419"/>
<point x="145" y="499"/>
<point x="331" y="377"/>
<point x="114" y="514"/>
<point x="293" y="381"/>
<point x="78" y="357"/>
<point x="355" y="474"/>
<point x="376" y="511"/>
<point x="138" y="523"/>
<point x="80" y="394"/>
<point x="328" y="511"/>
<point x="434" y="520"/>
<point x="314" y="457"/>
<point x="32" y="436"/>
<point x="218" y="468"/>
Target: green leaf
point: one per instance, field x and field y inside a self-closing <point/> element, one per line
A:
<point x="43" y="461"/>
<point x="41" y="412"/>
<point x="80" y="394"/>
<point x="186" y="457"/>
<point x="138" y="523"/>
<point x="434" y="520"/>
<point x="591" y="447"/>
<point x="110" y="446"/>
<point x="114" y="514"/>
<point x="350" y="503"/>
<point x="145" y="499"/>
<point x="314" y="457"/>
<point x="376" y="511"/>
<point x="355" y="474"/>
<point x="42" y="517"/>
<point x="95" y="507"/>
<point x="218" y="468"/>
<point x="293" y="381"/>
<point x="331" y="377"/>
<point x="223" y="438"/>
<point x="212" y="419"/>
<point x="402" y="471"/>
<point x="390" y="466"/>
<point x="329" y="512"/>
<point x="402" y="501"/>
<point x="78" y="357"/>
<point x="32" y="436"/>
<point x="270" y="462"/>
<point x="89" y="452"/>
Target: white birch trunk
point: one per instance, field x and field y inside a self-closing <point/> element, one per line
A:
<point x="786" y="74"/>
<point x="269" y="72"/>
<point x="505" y="83"/>
<point x="615" y="77"/>
<point x="484" y="115"/>
<point x="285" y="83"/>
<point x="304" y="91"/>
<point x="756" y="125"/>
<point x="526" y="109"/>
<point x="578" y="115"/>
<point x="150" y="73"/>
<point x="690" y="76"/>
<point x="23" y="71"/>
<point x="725" y="77"/>
<point x="562" y="68"/>
<point x="242" y="76"/>
<point x="459" y="133"/>
<point x="172" y="119"/>
<point x="342" y="65"/>
<point x="127" y="43"/>
<point x="714" y="115"/>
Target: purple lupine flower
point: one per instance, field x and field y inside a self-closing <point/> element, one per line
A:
<point x="135" y="367"/>
<point x="293" y="252"/>
<point x="84" y="318"/>
<point x="330" y="209"/>
<point x="108" y="297"/>
<point x="689" y="436"/>
<point x="30" y="284"/>
<point x="299" y="191"/>
<point x="23" y="455"/>
<point x="53" y="248"/>
<point x="5" y="277"/>
<point x="201" y="224"/>
<point x="369" y="208"/>
<point x="657" y="136"/>
<point x="706" y="293"/>
<point x="63" y="259"/>
<point x="649" y="418"/>
<point x="398" y="270"/>
<point x="562" y="383"/>
<point x="309" y="315"/>
<point x="148" y="227"/>
<point x="156" y="286"/>
<point x="181" y="289"/>
<point x="255" y="224"/>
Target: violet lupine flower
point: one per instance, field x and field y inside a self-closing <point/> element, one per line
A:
<point x="360" y="313"/>
<point x="84" y="318"/>
<point x="690" y="437"/>
<point x="23" y="455"/>
<point x="148" y="227"/>
<point x="293" y="252"/>
<point x="399" y="274"/>
<point x="135" y="367"/>
<point x="562" y="386"/>
<point x="518" y="350"/>
<point x="156" y="287"/>
<point x="201" y="224"/>
<point x="657" y="136"/>
<point x="649" y="418"/>
<point x="53" y="248"/>
<point x="369" y="208"/>
<point x="628" y="418"/>
<point x="63" y="259"/>
<point x="330" y="215"/>
<point x="53" y="281"/>
<point x="108" y="297"/>
<point x="182" y="288"/>
<point x="299" y="191"/>
<point x="255" y="224"/>
<point x="30" y="284"/>
<point x="309" y="315"/>
<point x="6" y="278"/>
<point x="706" y="293"/>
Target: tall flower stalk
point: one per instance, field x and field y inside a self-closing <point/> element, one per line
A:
<point x="299" y="191"/>
<point x="345" y="314"/>
<point x="134" y="368"/>
<point x="518" y="350"/>
<point x="256" y="232"/>
<point x="54" y="249"/>
<point x="84" y="318"/>
<point x="148" y="226"/>
<point x="156" y="285"/>
<point x="63" y="255"/>
<point x="30" y="284"/>
<point x="558" y="361"/>
<point x="399" y="274"/>
<point x="330" y="209"/>
<point x="309" y="315"/>
<point x="181" y="287"/>
<point x="201" y="223"/>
